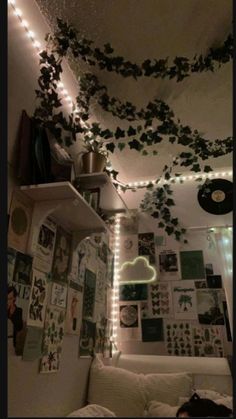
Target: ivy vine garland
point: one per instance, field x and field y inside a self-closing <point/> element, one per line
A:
<point x="157" y="200"/>
<point x="69" y="38"/>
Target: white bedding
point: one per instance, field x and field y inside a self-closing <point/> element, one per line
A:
<point x="92" y="410"/>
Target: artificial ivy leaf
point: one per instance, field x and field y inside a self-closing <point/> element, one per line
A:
<point x="131" y="131"/>
<point x="169" y="230"/>
<point x="170" y="202"/>
<point x="207" y="169"/>
<point x="134" y="144"/>
<point x="108" y="49"/>
<point x="121" y="146"/>
<point x="110" y="147"/>
<point x="196" y="168"/>
<point x="119" y="133"/>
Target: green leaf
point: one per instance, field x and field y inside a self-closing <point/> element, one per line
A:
<point x="110" y="147"/>
<point x="207" y="169"/>
<point x="136" y="145"/>
<point x="121" y="146"/>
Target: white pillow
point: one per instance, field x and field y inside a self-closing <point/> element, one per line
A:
<point x="116" y="389"/>
<point x="167" y="388"/>
<point x="161" y="410"/>
<point x="92" y="410"/>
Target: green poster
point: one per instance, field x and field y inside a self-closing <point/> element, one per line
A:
<point x="192" y="264"/>
<point x="33" y="344"/>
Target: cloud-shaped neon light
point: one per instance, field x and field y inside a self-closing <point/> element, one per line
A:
<point x="138" y="271"/>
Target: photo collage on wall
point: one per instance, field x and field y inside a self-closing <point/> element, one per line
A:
<point x="61" y="288"/>
<point x="183" y="308"/>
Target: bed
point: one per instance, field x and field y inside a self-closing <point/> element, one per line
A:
<point x="153" y="386"/>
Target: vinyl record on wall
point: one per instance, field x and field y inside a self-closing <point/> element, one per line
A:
<point x="217" y="197"/>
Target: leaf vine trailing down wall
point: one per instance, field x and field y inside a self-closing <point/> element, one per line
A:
<point x="158" y="120"/>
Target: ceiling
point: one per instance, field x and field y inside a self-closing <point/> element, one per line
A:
<point x="141" y="29"/>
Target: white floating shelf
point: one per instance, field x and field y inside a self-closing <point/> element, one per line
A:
<point x="110" y="200"/>
<point x="65" y="204"/>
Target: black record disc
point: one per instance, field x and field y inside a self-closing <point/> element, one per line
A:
<point x="217" y="197"/>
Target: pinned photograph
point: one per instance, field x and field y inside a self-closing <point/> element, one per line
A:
<point x="209" y="306"/>
<point x="45" y="246"/>
<point x="87" y="339"/>
<point x="128" y="247"/>
<point x="214" y="281"/>
<point x="62" y="252"/>
<point x="74" y="311"/>
<point x="146" y="246"/>
<point x="23" y="269"/>
<point x="133" y="292"/>
<point x="16" y="319"/>
<point x="38" y="299"/>
<point x="200" y="284"/>
<point x="168" y="265"/>
<point x="58" y="295"/>
<point x="11" y="259"/>
<point x="209" y="269"/>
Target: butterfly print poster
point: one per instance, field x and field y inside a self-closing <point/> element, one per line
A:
<point x="159" y="300"/>
<point x="52" y="340"/>
<point x="178" y="338"/>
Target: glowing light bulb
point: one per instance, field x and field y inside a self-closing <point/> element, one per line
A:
<point x="18" y="12"/>
<point x="25" y="24"/>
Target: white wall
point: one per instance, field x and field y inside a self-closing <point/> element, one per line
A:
<point x="32" y="394"/>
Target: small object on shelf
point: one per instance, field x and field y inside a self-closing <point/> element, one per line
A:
<point x="93" y="162"/>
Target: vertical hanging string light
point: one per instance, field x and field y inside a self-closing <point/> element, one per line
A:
<point x="37" y="45"/>
<point x="115" y="294"/>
